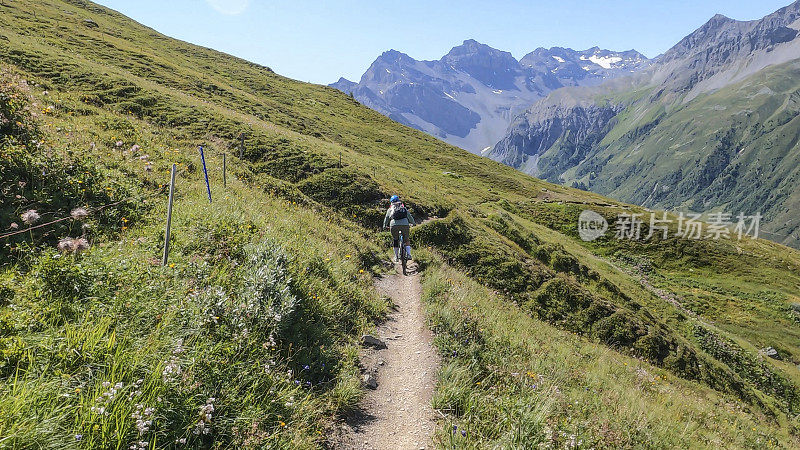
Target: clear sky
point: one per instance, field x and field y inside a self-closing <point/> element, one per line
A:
<point x="321" y="40"/>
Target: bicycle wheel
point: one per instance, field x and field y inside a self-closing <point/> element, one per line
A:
<point x="403" y="254"/>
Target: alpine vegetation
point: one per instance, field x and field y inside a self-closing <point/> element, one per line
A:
<point x="249" y="337"/>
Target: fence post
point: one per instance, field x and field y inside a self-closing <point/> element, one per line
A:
<point x="169" y="216"/>
<point x="205" y="171"/>
<point x="224" y="170"/>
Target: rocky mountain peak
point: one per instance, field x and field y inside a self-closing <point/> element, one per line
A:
<point x="495" y="68"/>
<point x="393" y="57"/>
<point x="470" y="95"/>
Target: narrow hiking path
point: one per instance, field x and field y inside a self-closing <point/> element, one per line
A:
<point x="398" y="413"/>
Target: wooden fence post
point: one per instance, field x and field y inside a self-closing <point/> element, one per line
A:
<point x="169" y="216"/>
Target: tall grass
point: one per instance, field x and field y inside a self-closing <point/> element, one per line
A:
<point x="511" y="381"/>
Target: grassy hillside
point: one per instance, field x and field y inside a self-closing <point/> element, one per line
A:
<point x="734" y="149"/>
<point x="248" y="337"/>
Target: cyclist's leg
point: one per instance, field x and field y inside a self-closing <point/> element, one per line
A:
<point x="406" y="229"/>
<point x="395" y="230"/>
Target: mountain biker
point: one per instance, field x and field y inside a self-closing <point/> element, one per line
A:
<point x="398" y="219"/>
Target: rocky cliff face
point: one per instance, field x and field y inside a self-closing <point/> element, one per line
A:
<point x="725" y="50"/>
<point x="469" y="96"/>
<point x="555" y="136"/>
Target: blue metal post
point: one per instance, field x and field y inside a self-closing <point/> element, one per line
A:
<point x="205" y="171"/>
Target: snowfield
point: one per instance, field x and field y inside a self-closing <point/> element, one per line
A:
<point x="603" y="61"/>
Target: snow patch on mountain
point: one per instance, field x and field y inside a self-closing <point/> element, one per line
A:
<point x="606" y="62"/>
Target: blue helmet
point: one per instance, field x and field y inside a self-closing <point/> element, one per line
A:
<point x="394" y="198"/>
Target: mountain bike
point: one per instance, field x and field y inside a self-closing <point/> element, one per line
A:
<point x="403" y="254"/>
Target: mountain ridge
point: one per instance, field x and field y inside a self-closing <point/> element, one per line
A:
<point x="743" y="66"/>
<point x="469" y="96"/>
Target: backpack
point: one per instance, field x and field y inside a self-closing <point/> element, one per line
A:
<point x="400" y="212"/>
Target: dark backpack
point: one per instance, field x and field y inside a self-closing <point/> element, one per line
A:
<point x="400" y="212"/>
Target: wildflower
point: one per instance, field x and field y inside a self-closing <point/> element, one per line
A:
<point x="72" y="245"/>
<point x="64" y="245"/>
<point x="143" y="417"/>
<point x="79" y="213"/>
<point x="30" y="217"/>
<point x="13" y="225"/>
<point x="119" y="144"/>
<point x="80" y="244"/>
<point x="204" y="424"/>
<point x="78" y="437"/>
<point x="172" y="370"/>
<point x="180" y="441"/>
<point x="463" y="433"/>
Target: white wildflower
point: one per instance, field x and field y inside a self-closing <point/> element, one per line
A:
<point x="64" y="244"/>
<point x="79" y="213"/>
<point x="30" y="217"/>
<point x="172" y="370"/>
<point x="203" y="425"/>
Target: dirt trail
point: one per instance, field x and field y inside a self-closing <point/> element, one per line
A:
<point x="398" y="414"/>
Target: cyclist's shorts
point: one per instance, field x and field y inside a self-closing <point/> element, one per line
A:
<point x="406" y="229"/>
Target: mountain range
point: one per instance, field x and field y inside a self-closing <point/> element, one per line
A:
<point x="710" y="125"/>
<point x="469" y="96"/>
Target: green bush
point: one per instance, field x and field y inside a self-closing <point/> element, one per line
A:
<point x="356" y="196"/>
<point x="558" y="298"/>
<point x="446" y="234"/>
<point x="282" y="158"/>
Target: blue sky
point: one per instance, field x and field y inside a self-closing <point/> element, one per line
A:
<point x="319" y="41"/>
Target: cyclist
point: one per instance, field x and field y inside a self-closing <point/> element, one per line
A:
<point x="398" y="219"/>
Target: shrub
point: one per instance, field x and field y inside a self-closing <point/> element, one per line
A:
<point x="283" y="159"/>
<point x="342" y="188"/>
<point x="356" y="196"/>
<point x="445" y="234"/>
<point x="558" y="298"/>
